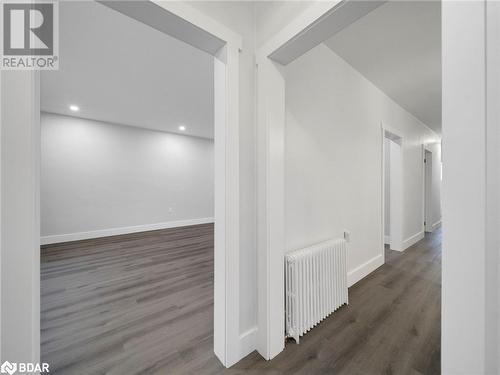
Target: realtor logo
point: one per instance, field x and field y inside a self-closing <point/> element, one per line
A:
<point x="28" y="29"/>
<point x="30" y="35"/>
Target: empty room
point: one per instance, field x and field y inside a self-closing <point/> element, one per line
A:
<point x="249" y="187"/>
<point x="127" y="197"/>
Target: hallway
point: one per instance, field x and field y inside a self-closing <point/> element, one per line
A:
<point x="391" y="326"/>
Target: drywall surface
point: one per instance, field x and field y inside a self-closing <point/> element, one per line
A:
<point x="334" y="158"/>
<point x="175" y="79"/>
<point x="97" y="176"/>
<point x="272" y="16"/>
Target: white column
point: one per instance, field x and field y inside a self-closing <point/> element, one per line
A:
<point x="227" y="180"/>
<point x="20" y="217"/>
<point x="270" y="206"/>
<point x="464" y="187"/>
<point x="492" y="188"/>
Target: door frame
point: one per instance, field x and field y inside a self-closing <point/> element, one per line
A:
<point x="427" y="220"/>
<point x="318" y="22"/>
<point x="20" y="221"/>
<point x="396" y="239"/>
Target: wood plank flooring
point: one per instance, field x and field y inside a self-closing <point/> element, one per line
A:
<point x="143" y="304"/>
<point x="137" y="303"/>
<point x="392" y="324"/>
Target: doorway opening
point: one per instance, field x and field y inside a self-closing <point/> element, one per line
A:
<point x="392" y="188"/>
<point x="21" y="234"/>
<point x="428" y="222"/>
<point x="127" y="197"/>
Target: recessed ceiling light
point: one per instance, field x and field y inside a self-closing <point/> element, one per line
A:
<point x="182" y="128"/>
<point x="74" y="108"/>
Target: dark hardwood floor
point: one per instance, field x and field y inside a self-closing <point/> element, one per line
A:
<point x="142" y="304"/>
<point x="137" y="303"/>
<point x="392" y="324"/>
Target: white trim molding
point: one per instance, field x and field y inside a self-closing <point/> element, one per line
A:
<point x="412" y="240"/>
<point x="363" y="270"/>
<point x="227" y="203"/>
<point x="436" y="225"/>
<point x="396" y="224"/>
<point x="248" y="341"/>
<point x="58" y="238"/>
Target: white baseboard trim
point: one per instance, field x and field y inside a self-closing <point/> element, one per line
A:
<point x="436" y="225"/>
<point x="47" y="240"/>
<point x="248" y="342"/>
<point x="413" y="240"/>
<point x="364" y="269"/>
<point x="387" y="240"/>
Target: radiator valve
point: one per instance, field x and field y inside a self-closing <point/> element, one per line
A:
<point x="347" y="236"/>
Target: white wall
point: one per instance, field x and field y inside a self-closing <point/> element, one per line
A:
<point x="334" y="158"/>
<point x="272" y="16"/>
<point x="99" y="176"/>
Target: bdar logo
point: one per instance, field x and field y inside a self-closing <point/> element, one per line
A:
<point x="8" y="368"/>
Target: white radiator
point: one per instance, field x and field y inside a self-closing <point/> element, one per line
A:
<point x="315" y="285"/>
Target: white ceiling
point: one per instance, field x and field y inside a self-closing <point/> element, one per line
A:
<point x="122" y="71"/>
<point x="398" y="48"/>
